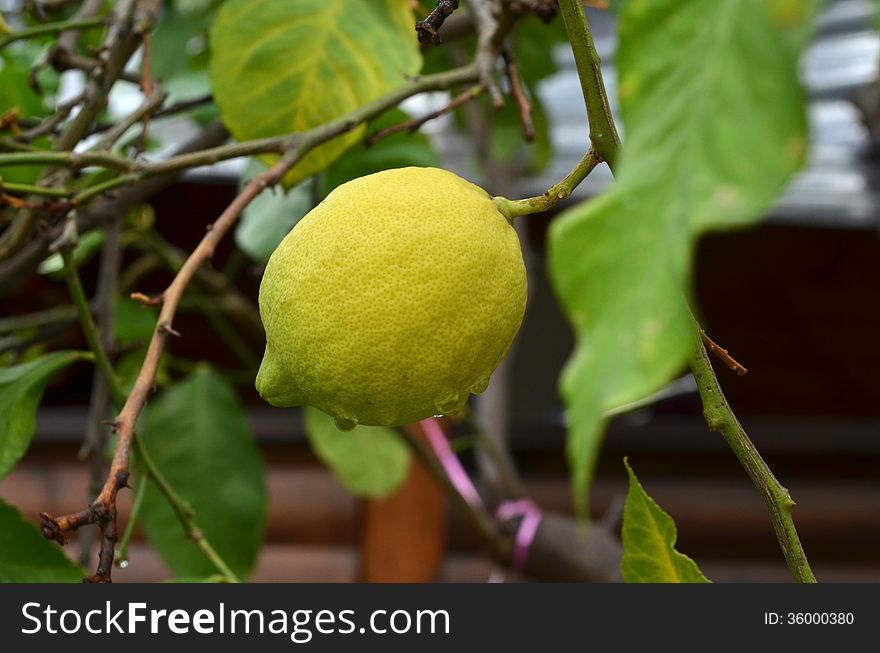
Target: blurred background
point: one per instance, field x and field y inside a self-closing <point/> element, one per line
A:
<point x="794" y="299"/>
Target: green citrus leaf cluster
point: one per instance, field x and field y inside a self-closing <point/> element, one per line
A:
<point x="281" y="66"/>
<point x="649" y="535"/>
<point x="715" y="126"/>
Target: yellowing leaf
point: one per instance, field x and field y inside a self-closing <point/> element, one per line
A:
<point x="280" y="66"/>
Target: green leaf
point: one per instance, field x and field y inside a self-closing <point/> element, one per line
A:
<point x="270" y="216"/>
<point x="28" y="557"/>
<point x="21" y="389"/>
<point x="284" y="66"/>
<point x="715" y="126"/>
<point x="369" y="461"/>
<point x="649" y="536"/>
<point x="198" y="436"/>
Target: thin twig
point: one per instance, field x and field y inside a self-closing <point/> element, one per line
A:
<point x="720" y="418"/>
<point x="126" y="25"/>
<point x="511" y="484"/>
<point x="95" y="442"/>
<point x="49" y="125"/>
<point x="23" y="262"/>
<point x="138" y="170"/>
<point x="56" y="314"/>
<point x="150" y="103"/>
<point x="30" y="189"/>
<point x="518" y="93"/>
<point x="723" y="354"/>
<point x="52" y="28"/>
<point x="412" y="126"/>
<point x="488" y="14"/>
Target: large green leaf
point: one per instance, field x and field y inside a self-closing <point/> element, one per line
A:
<point x="368" y="460"/>
<point x="198" y="436"/>
<point x="280" y="66"/>
<point x="649" y="535"/>
<point x="715" y="126"/>
<point x="28" y="557"/>
<point x="21" y="389"/>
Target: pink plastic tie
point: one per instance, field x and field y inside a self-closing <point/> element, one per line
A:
<point x="528" y="527"/>
<point x="456" y="473"/>
<point x="525" y="508"/>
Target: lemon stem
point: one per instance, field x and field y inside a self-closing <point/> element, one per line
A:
<point x="512" y="209"/>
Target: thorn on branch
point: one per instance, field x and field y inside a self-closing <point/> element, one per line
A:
<point x="146" y="300"/>
<point x="167" y="328"/>
<point x="722" y="353"/>
<point x="428" y="29"/>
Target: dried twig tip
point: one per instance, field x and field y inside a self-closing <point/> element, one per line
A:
<point x="722" y="353"/>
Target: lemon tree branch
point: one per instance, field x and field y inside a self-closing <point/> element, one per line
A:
<point x="603" y="132"/>
<point x="720" y="418"/>
<point x="103" y="510"/>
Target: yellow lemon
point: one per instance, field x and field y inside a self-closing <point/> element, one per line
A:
<point x="392" y="300"/>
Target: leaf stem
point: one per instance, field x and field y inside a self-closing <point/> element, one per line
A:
<point x="603" y="133"/>
<point x="720" y="418"/>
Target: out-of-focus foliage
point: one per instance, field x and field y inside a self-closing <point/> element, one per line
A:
<point x="369" y="461"/>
